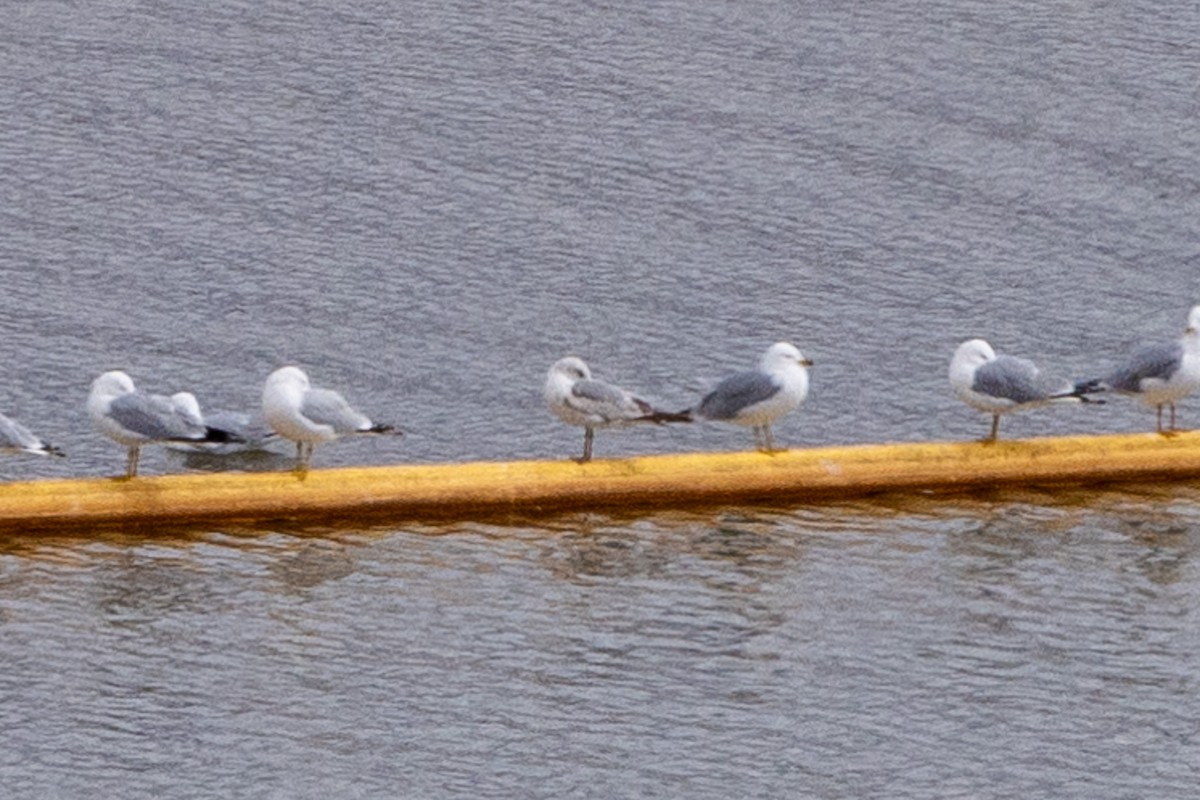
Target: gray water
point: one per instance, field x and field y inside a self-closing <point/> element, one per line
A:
<point x="426" y="204"/>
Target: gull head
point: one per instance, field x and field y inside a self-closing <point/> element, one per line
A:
<point x="112" y="384"/>
<point x="571" y="367"/>
<point x="1193" y="322"/>
<point x="288" y="378"/>
<point x="973" y="353"/>
<point x="187" y="405"/>
<point x="783" y="354"/>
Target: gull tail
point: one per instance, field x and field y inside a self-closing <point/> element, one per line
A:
<point x="659" y="417"/>
<point x="1082" y="390"/>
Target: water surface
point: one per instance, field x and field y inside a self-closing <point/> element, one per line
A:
<point x="425" y="205"/>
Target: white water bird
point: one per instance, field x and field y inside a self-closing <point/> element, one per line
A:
<point x="1159" y="374"/>
<point x="252" y="433"/>
<point x="577" y="398"/>
<point x="760" y="396"/>
<point x="134" y="418"/>
<point x="309" y="416"/>
<point x="998" y="384"/>
<point x="16" y="437"/>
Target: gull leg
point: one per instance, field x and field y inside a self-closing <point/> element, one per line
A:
<point x="758" y="445"/>
<point x="131" y="462"/>
<point x="767" y="436"/>
<point x="1171" y="431"/>
<point x="991" y="437"/>
<point x="304" y="452"/>
<point x="588" y="435"/>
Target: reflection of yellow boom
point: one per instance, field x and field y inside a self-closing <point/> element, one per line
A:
<point x="529" y="487"/>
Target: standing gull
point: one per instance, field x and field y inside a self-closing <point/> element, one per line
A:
<point x="310" y="416"/>
<point x="577" y="398"/>
<point x="1160" y="374"/>
<point x="998" y="384"/>
<point x="760" y="396"/>
<point x="134" y="418"/>
<point x="16" y="437"/>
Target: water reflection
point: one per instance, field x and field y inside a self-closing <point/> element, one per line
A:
<point x="138" y="588"/>
<point x="901" y="623"/>
<point x="312" y="564"/>
<point x="605" y="554"/>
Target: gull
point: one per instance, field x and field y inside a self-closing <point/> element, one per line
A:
<point x="997" y="384"/>
<point x="308" y="416"/>
<point x="1160" y="374"/>
<point x="16" y="437"/>
<point x="577" y="398"/>
<point x="134" y="418"/>
<point x="252" y="434"/>
<point x="758" y="397"/>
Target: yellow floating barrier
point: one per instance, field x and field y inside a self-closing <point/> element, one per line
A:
<point x="531" y="487"/>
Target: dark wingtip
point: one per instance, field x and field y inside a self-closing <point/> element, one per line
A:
<point x="221" y="436"/>
<point x="659" y="417"/>
<point x="52" y="450"/>
<point x="389" y="429"/>
<point x="1082" y="389"/>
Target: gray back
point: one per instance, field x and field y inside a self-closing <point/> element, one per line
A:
<point x="153" y="417"/>
<point x="1155" y="361"/>
<point x="14" y="434"/>
<point x="597" y="392"/>
<point x="327" y="407"/>
<point x="1012" y="378"/>
<point x="736" y="393"/>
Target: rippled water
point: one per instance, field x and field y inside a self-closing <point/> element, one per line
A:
<point x="425" y="204"/>
<point x="1035" y="646"/>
